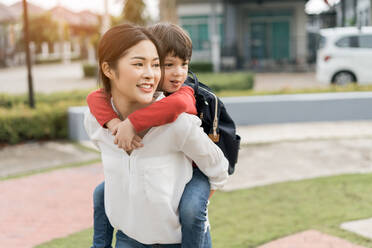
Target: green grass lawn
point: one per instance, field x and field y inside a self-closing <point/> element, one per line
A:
<point x="329" y="89"/>
<point x="251" y="217"/>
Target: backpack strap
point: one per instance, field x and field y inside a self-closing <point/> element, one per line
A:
<point x="214" y="136"/>
<point x="196" y="83"/>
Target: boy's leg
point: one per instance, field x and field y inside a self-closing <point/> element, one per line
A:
<point x="123" y="241"/>
<point x="193" y="212"/>
<point x="103" y="231"/>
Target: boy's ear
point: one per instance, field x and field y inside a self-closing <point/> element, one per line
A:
<point x="107" y="70"/>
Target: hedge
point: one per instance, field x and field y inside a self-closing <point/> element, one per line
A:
<point x="47" y="121"/>
<point x="90" y="70"/>
<point x="197" y="67"/>
<point x="227" y="81"/>
<point x="9" y="101"/>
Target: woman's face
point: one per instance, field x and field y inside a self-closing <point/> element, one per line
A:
<point x="138" y="73"/>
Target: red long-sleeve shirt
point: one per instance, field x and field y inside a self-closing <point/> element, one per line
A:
<point x="158" y="113"/>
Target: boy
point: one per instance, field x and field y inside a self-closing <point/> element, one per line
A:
<point x="177" y="46"/>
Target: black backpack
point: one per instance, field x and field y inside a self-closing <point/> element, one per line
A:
<point x="216" y="122"/>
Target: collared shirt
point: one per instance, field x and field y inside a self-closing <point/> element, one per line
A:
<point x="143" y="189"/>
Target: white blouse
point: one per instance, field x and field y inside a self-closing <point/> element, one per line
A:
<point x="143" y="189"/>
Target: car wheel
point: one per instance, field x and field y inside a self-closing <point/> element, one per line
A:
<point x="343" y="78"/>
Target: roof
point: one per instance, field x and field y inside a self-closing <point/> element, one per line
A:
<point x="89" y="18"/>
<point x="33" y="9"/>
<point x="6" y="14"/>
<point x="83" y="18"/>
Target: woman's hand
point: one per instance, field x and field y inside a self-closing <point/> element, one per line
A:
<point x="126" y="137"/>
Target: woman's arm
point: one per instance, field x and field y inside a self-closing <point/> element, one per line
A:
<point x="196" y="144"/>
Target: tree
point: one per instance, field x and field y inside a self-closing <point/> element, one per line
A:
<point x="133" y="12"/>
<point x="43" y="29"/>
<point x="168" y="11"/>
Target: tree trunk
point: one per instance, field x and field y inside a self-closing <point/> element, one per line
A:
<point x="168" y="11"/>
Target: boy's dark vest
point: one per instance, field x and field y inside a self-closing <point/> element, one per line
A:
<point x="216" y="122"/>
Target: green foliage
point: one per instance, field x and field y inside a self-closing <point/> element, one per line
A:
<point x="133" y="12"/>
<point x="197" y="67"/>
<point x="227" y="81"/>
<point x="22" y="123"/>
<point x="90" y="70"/>
<point x="42" y="28"/>
<point x="47" y="121"/>
<point x="48" y="61"/>
<point x="9" y="101"/>
<point x="287" y="90"/>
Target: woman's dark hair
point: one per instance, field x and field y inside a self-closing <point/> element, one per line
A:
<point x="173" y="40"/>
<point x="115" y="43"/>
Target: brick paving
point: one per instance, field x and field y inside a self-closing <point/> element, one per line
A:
<point x="42" y="207"/>
<point x="310" y="239"/>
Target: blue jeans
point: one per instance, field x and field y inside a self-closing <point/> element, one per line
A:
<point x="103" y="231"/>
<point x="123" y="241"/>
<point x="192" y="211"/>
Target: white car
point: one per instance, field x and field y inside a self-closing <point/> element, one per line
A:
<point x="345" y="56"/>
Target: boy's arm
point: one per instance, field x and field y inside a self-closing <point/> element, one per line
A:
<point x="164" y="111"/>
<point x="101" y="109"/>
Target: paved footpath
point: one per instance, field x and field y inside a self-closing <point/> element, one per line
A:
<point x="310" y="239"/>
<point x="42" y="207"/>
<point x="39" y="208"/>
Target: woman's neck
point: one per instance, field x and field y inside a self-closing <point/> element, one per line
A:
<point x="123" y="106"/>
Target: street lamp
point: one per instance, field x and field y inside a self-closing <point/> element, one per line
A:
<point x="28" y="59"/>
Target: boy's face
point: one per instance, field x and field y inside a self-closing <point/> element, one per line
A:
<point x="175" y="73"/>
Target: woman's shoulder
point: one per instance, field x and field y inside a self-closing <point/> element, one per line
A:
<point x="184" y="121"/>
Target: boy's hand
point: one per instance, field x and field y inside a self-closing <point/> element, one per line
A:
<point x="125" y="136"/>
<point x="113" y="125"/>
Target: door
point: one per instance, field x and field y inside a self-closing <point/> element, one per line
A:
<point x="258" y="40"/>
<point x="280" y="40"/>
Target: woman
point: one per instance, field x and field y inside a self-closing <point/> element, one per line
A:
<point x="143" y="189"/>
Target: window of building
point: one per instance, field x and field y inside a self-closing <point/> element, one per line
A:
<point x="198" y="29"/>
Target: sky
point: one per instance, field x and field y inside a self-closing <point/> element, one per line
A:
<point x="115" y="6"/>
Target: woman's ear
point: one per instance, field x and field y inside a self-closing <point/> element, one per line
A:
<point x="107" y="70"/>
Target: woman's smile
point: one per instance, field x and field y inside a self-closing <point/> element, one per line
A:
<point x="146" y="87"/>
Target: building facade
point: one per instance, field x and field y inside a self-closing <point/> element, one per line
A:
<point x="258" y="34"/>
<point x="353" y="13"/>
<point x="7" y="34"/>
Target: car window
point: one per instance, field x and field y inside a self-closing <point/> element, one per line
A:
<point x="350" y="41"/>
<point x="365" y="41"/>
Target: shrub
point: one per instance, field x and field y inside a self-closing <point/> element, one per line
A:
<point x="9" y="101"/>
<point x="47" y="121"/>
<point x="227" y="81"/>
<point x="90" y="70"/>
<point x="48" y="61"/>
<point x="201" y="67"/>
